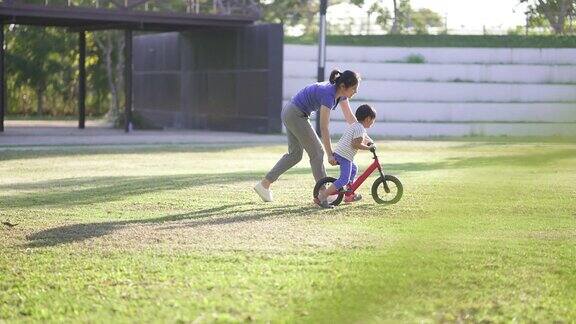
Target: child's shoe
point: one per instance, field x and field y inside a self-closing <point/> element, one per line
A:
<point x="264" y="193"/>
<point x="352" y="198"/>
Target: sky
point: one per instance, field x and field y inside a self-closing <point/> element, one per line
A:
<point x="462" y="15"/>
<point x="474" y="14"/>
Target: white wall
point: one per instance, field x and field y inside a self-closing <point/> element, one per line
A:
<point x="546" y="56"/>
<point x="456" y="92"/>
<point x="500" y="73"/>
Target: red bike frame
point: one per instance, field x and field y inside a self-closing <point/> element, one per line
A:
<point x="360" y="180"/>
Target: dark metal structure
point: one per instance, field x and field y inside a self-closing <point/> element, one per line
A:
<point x="321" y="52"/>
<point x="229" y="79"/>
<point x="218" y="16"/>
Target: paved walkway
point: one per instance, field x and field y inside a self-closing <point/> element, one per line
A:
<point x="55" y="133"/>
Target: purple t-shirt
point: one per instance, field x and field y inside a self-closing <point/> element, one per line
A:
<point x="315" y="95"/>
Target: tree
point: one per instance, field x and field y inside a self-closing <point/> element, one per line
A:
<point x="558" y="13"/>
<point x="42" y="72"/>
<point x="398" y="17"/>
<point x="383" y="15"/>
<point x="33" y="60"/>
<point x="292" y="13"/>
<point x="297" y="12"/>
<point x="424" y="18"/>
<point x="406" y="18"/>
<point x="401" y="16"/>
<point x="111" y="45"/>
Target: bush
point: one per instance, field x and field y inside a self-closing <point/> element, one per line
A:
<point x="415" y="59"/>
<point x="502" y="41"/>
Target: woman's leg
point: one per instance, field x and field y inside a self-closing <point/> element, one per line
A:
<point x="287" y="161"/>
<point x="309" y="140"/>
<point x="298" y="124"/>
<point x="294" y="155"/>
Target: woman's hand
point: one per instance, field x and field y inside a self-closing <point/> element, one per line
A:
<point x="332" y="160"/>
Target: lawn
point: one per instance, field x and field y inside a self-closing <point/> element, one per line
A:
<point x="486" y="231"/>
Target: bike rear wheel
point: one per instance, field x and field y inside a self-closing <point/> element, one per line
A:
<point x="325" y="183"/>
<point x="394" y="193"/>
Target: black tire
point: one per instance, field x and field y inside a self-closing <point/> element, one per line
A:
<point x="381" y="196"/>
<point x="326" y="182"/>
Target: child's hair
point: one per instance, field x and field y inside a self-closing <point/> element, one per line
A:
<point x="365" y="111"/>
<point x="347" y="78"/>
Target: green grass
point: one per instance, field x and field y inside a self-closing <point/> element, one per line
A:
<point x="486" y="231"/>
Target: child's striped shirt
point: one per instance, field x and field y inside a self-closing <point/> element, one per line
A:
<point x="344" y="147"/>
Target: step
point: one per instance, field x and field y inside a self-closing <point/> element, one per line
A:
<point x="434" y="54"/>
<point x="408" y="129"/>
<point x="374" y="90"/>
<point x="466" y="112"/>
<point x="495" y="73"/>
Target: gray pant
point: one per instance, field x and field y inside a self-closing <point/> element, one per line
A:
<point x="301" y="136"/>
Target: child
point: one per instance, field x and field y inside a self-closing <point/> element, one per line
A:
<point x="353" y="139"/>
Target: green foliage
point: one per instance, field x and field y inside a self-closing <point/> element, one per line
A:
<point x="291" y="13"/>
<point x="504" y="41"/>
<point x="402" y="17"/>
<point x="415" y="59"/>
<point x="410" y="21"/>
<point x="295" y="12"/>
<point x="42" y="72"/>
<point x="383" y="19"/>
<point x="555" y="14"/>
<point x="424" y="18"/>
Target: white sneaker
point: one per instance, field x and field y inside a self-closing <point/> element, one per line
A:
<point x="264" y="193"/>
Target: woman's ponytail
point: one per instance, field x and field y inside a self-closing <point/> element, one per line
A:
<point x="334" y="76"/>
<point x="347" y="78"/>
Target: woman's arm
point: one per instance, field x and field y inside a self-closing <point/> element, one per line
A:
<point x="325" y="133"/>
<point x="347" y="111"/>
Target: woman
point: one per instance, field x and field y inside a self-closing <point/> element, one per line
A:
<point x="323" y="97"/>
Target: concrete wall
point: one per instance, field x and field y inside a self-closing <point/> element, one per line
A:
<point x="456" y="92"/>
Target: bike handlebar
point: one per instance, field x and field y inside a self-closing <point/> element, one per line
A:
<point x="373" y="148"/>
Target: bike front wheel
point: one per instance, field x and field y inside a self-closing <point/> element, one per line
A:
<point x="387" y="190"/>
<point x="334" y="200"/>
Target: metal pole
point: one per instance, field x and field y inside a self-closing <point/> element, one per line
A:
<point x="82" y="81"/>
<point x="128" y="80"/>
<point x="321" y="52"/>
<point x="2" y="78"/>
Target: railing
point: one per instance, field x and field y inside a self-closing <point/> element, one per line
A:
<point x="215" y="7"/>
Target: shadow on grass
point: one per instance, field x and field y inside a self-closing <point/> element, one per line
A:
<point x="80" y="232"/>
<point x="65" y="192"/>
<point x="85" y="191"/>
<point x="7" y="154"/>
